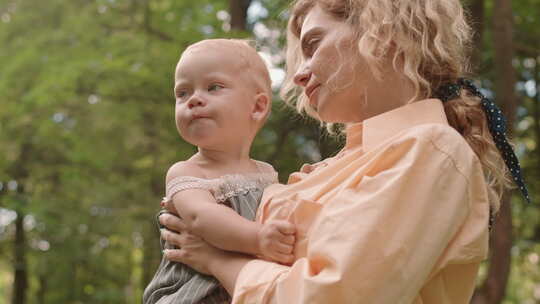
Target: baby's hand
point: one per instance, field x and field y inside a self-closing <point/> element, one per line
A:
<point x="276" y="241"/>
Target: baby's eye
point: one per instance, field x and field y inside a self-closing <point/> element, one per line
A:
<point x="214" y="87"/>
<point x="181" y="95"/>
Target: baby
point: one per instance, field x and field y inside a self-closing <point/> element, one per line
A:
<point x="223" y="97"/>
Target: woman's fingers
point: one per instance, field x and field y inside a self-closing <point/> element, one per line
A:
<point x="179" y="239"/>
<point x="171" y="237"/>
<point x="175" y="255"/>
<point x="193" y="251"/>
<point x="163" y="202"/>
<point x="172" y="222"/>
<point x="168" y="204"/>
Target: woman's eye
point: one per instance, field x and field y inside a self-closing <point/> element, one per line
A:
<point x="214" y="87"/>
<point x="312" y="45"/>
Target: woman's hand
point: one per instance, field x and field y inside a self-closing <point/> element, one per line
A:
<point x="168" y="205"/>
<point x="203" y="257"/>
<point x="193" y="251"/>
<point x="198" y="254"/>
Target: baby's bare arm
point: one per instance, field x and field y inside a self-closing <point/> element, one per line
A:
<point x="217" y="224"/>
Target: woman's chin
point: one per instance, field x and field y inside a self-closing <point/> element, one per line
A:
<point x="325" y="114"/>
<point x="327" y="111"/>
<point x="337" y="117"/>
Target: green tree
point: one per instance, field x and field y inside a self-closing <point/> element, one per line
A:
<point x="87" y="133"/>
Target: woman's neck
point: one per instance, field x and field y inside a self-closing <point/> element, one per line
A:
<point x="402" y="92"/>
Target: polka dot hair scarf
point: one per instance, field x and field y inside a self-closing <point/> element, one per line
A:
<point x="496" y="124"/>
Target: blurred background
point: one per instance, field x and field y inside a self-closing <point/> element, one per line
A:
<point x="87" y="133"/>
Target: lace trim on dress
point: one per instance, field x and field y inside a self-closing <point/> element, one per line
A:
<point x="222" y="188"/>
<point x="182" y="183"/>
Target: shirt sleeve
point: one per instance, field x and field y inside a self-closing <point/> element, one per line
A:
<point x="378" y="240"/>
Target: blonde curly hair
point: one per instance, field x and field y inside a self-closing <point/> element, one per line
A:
<point x="428" y="41"/>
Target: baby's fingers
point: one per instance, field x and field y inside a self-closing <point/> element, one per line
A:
<point x="283" y="258"/>
<point x="283" y="248"/>
<point x="285" y="227"/>
<point x="288" y="239"/>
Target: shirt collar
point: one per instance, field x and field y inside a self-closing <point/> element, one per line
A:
<point x="377" y="129"/>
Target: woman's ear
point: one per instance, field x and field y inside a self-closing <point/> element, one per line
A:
<point x="261" y="108"/>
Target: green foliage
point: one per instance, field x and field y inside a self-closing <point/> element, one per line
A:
<point x="87" y="132"/>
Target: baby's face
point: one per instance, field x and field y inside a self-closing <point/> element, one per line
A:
<point x="213" y="99"/>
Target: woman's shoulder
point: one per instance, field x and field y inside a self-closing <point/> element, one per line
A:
<point x="440" y="139"/>
<point x="443" y="136"/>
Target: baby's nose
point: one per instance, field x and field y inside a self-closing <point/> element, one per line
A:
<point x="195" y="101"/>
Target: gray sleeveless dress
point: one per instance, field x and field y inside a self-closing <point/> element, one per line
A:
<point x="176" y="283"/>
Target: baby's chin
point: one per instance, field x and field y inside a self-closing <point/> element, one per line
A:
<point x="202" y="138"/>
<point x="200" y="141"/>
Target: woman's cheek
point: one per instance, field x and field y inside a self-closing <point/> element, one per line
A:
<point x="327" y="64"/>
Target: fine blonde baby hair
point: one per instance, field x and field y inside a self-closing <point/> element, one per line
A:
<point x="428" y="42"/>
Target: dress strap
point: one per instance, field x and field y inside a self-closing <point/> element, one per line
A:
<point x="259" y="167"/>
<point x="182" y="183"/>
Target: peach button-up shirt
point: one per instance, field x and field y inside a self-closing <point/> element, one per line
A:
<point x="400" y="216"/>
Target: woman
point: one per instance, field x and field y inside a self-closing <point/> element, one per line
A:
<point x="401" y="214"/>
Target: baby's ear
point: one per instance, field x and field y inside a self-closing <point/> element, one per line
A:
<point x="262" y="106"/>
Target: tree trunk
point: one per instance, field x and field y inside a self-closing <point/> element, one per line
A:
<point x="536" y="106"/>
<point x="42" y="289"/>
<point x="504" y="53"/>
<point x="21" y="279"/>
<point x="238" y="10"/>
<point x="149" y="231"/>
<point x="151" y="250"/>
<point x="19" y="172"/>
<point x="494" y="288"/>
<point x="476" y="9"/>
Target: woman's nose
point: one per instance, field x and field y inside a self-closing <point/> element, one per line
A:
<point x="196" y="101"/>
<point x="302" y="76"/>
